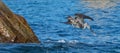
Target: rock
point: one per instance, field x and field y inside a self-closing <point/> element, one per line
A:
<point x="101" y="4"/>
<point x="14" y="28"/>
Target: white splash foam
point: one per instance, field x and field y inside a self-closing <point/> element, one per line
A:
<point x="61" y="41"/>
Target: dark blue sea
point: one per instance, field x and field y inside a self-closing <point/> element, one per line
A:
<point x="46" y="18"/>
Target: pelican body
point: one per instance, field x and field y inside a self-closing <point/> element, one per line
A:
<point x="78" y="21"/>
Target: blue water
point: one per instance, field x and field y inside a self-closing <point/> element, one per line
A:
<point x="45" y="17"/>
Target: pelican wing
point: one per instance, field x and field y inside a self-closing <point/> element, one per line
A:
<point x="87" y="17"/>
<point x="84" y="16"/>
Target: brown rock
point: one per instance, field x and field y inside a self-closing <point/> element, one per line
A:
<point x="14" y="28"/>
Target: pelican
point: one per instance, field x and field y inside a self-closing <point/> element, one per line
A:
<point x="78" y="21"/>
<point x="79" y="18"/>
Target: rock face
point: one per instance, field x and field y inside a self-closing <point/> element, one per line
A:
<point x="14" y="28"/>
<point x="100" y="4"/>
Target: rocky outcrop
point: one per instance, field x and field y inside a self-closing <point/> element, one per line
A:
<point x="14" y="28"/>
<point x="100" y="4"/>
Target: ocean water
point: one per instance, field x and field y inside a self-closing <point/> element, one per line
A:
<point x="45" y="17"/>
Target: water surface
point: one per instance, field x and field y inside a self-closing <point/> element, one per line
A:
<point x="45" y="17"/>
